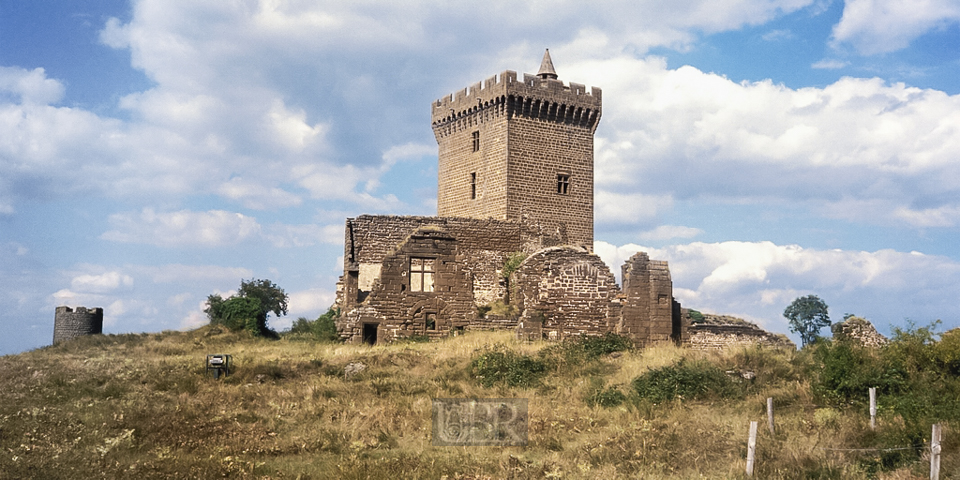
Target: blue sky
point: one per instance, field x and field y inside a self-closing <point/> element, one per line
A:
<point x="154" y="152"/>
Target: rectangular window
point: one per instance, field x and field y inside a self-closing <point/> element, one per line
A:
<point x="421" y="274"/>
<point x="476" y="141"/>
<point x="473" y="186"/>
<point x="563" y="183"/>
<point x="430" y="320"/>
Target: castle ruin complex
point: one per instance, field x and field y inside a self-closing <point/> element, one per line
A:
<point x="515" y="180"/>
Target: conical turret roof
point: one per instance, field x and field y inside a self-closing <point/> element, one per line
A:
<point x="546" y="67"/>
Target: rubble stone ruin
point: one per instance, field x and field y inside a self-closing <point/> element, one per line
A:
<point x="69" y="323"/>
<point x="515" y="180"/>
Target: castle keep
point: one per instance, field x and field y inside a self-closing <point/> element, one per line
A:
<point x="520" y="150"/>
<point x="515" y="181"/>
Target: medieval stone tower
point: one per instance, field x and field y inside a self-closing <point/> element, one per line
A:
<point x="69" y="323"/>
<point x="520" y="150"/>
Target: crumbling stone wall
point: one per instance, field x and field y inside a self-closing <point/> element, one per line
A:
<point x="69" y="323"/>
<point x="650" y="314"/>
<point x="566" y="291"/>
<point x="719" y="337"/>
<point x="483" y="243"/>
<point x="718" y="332"/>
<point x="859" y="330"/>
<point x="398" y="309"/>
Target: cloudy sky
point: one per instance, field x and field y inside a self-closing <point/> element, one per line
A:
<point x="154" y="152"/>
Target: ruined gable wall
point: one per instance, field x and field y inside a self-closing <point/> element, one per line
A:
<point x="566" y="291"/>
<point x="484" y="244"/>
<point x="402" y="312"/>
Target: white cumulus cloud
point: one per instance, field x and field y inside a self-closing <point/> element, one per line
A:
<point x="183" y="228"/>
<point x="107" y="282"/>
<point x="881" y="26"/>
<point x="688" y="135"/>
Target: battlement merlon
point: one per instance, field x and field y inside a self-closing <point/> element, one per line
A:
<point x="506" y="84"/>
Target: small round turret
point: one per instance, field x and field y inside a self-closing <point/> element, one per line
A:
<point x="69" y="323"/>
<point x="546" y="67"/>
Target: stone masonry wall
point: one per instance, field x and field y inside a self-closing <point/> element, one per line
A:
<point x="648" y="310"/>
<point x="719" y="337"/>
<point x="566" y="292"/>
<point x="69" y="323"/>
<point x="539" y="152"/>
<point x="399" y="310"/>
<point x="484" y="244"/>
<point x="474" y="183"/>
<point x="529" y="132"/>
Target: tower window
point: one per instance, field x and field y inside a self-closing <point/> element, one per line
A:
<point x="563" y="183"/>
<point x="473" y="186"/>
<point x="476" y="141"/>
<point x="421" y="274"/>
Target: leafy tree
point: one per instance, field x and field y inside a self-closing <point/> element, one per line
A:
<point x="241" y="313"/>
<point x="272" y="299"/>
<point x="807" y="316"/>
<point x="214" y="308"/>
<point x="248" y="309"/>
<point x="324" y="328"/>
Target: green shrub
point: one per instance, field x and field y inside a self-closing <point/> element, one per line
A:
<point x="583" y="351"/>
<point x="596" y="347"/>
<point x="946" y="352"/>
<point x="693" y="380"/>
<point x="497" y="365"/>
<point x="913" y="347"/>
<point x="843" y="372"/>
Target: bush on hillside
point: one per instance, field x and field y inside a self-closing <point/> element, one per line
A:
<point x="581" y="353"/>
<point x="914" y="389"/>
<point x="685" y="380"/>
<point x="498" y="365"/>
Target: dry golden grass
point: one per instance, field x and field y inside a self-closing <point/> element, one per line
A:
<point x="142" y="406"/>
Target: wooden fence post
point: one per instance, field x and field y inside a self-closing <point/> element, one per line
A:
<point x="935" y="452"/>
<point x="873" y="408"/>
<point x="770" y="414"/>
<point x="752" y="448"/>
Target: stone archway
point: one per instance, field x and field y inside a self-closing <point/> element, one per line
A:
<point x="429" y="316"/>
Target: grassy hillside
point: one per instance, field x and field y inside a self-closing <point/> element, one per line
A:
<point x="141" y="406"/>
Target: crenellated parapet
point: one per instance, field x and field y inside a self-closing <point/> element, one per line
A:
<point x="505" y="94"/>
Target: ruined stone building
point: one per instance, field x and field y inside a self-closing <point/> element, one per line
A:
<point x="69" y="323"/>
<point x="515" y="181"/>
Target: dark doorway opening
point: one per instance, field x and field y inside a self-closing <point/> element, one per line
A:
<point x="676" y="333"/>
<point x="370" y="333"/>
